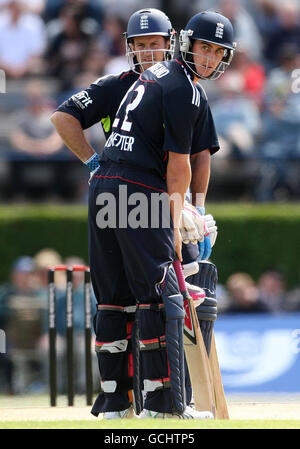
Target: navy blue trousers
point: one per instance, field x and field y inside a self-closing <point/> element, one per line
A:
<point x="127" y="268"/>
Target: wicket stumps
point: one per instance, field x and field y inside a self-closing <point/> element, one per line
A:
<point x="69" y="332"/>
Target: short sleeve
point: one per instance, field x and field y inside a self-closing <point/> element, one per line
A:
<point x="205" y="135"/>
<point x="91" y="105"/>
<point x="179" y="117"/>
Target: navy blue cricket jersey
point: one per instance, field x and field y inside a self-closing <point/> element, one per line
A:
<point x="100" y="101"/>
<point x="162" y="111"/>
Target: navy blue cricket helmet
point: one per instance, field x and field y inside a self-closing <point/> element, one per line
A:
<point x="210" y="27"/>
<point x="148" y="22"/>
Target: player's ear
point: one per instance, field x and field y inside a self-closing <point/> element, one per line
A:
<point x="131" y="45"/>
<point x="167" y="43"/>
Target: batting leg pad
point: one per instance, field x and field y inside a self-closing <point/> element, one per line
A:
<point x="206" y="278"/>
<point x="174" y="312"/>
<point x="114" y="353"/>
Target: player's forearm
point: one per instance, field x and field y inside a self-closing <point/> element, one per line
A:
<point x="71" y="132"/>
<point x="178" y="180"/>
<point x="200" y="164"/>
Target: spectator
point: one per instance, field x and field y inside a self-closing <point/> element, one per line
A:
<point x="246" y="32"/>
<point x="89" y="9"/>
<point x="22" y="41"/>
<point x="292" y="303"/>
<point x="20" y="282"/>
<point x="288" y="32"/>
<point x="22" y="276"/>
<point x="112" y="39"/>
<point x="95" y="61"/>
<point x="68" y="47"/>
<point x="272" y="290"/>
<point x="244" y="295"/>
<point x="253" y="74"/>
<point x="93" y="67"/>
<point x="279" y="83"/>
<point x="112" y="36"/>
<point x="37" y="151"/>
<point x="266" y="17"/>
<point x="236" y="117"/>
<point x="112" y="7"/>
<point x="23" y="326"/>
<point x="278" y="177"/>
<point x="35" y="6"/>
<point x="44" y="259"/>
<point x="33" y="134"/>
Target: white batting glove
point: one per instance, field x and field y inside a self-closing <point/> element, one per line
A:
<point x="188" y="229"/>
<point x="212" y="228"/>
<point x="198" y="220"/>
<point x="197" y="293"/>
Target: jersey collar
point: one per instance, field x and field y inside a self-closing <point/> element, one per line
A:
<point x="180" y="61"/>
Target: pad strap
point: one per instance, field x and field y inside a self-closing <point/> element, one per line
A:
<point x="157" y="384"/>
<point x="112" y="347"/>
<point x="111" y="386"/>
<point x="154" y="343"/>
<point x="126" y="309"/>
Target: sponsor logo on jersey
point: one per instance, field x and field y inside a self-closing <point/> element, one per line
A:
<point x="219" y="30"/>
<point x="82" y="99"/>
<point x="159" y="70"/>
<point x="123" y="143"/>
<point x="144" y="22"/>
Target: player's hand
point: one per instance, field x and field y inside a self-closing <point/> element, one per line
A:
<point x="191" y="224"/>
<point x="178" y="243"/>
<point x="197" y="293"/>
<point x="212" y="228"/>
<point x="205" y="247"/>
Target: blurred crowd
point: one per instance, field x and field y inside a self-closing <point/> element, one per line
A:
<point x="51" y="49"/>
<point x="24" y="317"/>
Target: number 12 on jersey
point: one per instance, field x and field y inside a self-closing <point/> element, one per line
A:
<point x="126" y="124"/>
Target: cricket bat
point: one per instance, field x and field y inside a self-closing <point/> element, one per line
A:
<point x="219" y="395"/>
<point x="195" y="351"/>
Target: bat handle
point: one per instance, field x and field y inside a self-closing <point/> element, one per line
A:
<point x="179" y="274"/>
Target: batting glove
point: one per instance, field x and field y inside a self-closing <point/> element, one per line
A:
<point x="212" y="228"/>
<point x="205" y="247"/>
<point x="188" y="229"/>
<point x="197" y="293"/>
<point x="92" y="164"/>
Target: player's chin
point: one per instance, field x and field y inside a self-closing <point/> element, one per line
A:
<point x="147" y="65"/>
<point x="205" y="72"/>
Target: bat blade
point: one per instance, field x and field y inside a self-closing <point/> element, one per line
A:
<point x="195" y="352"/>
<point x="189" y="327"/>
<point x="198" y="362"/>
<point x="220" y="400"/>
